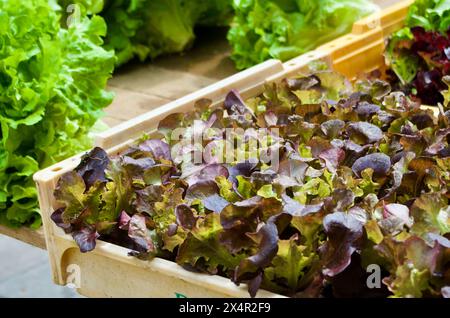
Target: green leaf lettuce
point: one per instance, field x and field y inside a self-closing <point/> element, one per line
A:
<point x="52" y="93"/>
<point x="283" y="29"/>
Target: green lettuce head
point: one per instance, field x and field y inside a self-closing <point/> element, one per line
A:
<point x="53" y="81"/>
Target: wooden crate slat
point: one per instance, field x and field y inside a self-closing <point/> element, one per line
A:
<point x="26" y="235"/>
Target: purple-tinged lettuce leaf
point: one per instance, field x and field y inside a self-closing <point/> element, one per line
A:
<point x="185" y="217"/>
<point x="314" y="287"/>
<point x="170" y="123"/>
<point x="145" y="199"/>
<point x="70" y="192"/>
<point x="209" y="172"/>
<point x="58" y="220"/>
<point x="254" y="285"/>
<point x="92" y="167"/>
<point x="267" y="240"/>
<point x="250" y="211"/>
<point x="140" y="234"/>
<point x="364" y="133"/>
<point x="378" y="162"/>
<point x="234" y="103"/>
<point x="359" y="214"/>
<point x="340" y="200"/>
<point x="291" y="206"/>
<point x="440" y="145"/>
<point x="318" y="145"/>
<point x="124" y="221"/>
<point x="303" y="83"/>
<point x="395" y="218"/>
<point x="207" y="192"/>
<point x="158" y="148"/>
<point x="431" y="238"/>
<point x="85" y="238"/>
<point x="243" y="169"/>
<point x="158" y="174"/>
<point x="238" y="110"/>
<point x="264" y="178"/>
<point x="270" y="118"/>
<point x="332" y="128"/>
<point x="333" y="157"/>
<point x="136" y="168"/>
<point x="293" y="169"/>
<point x="366" y="110"/>
<point x="413" y="266"/>
<point x="399" y="170"/>
<point x="244" y="217"/>
<point x="344" y="232"/>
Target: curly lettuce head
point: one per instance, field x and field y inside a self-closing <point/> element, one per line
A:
<point x="53" y="82"/>
<point x="432" y="15"/>
<point x="283" y="29"/>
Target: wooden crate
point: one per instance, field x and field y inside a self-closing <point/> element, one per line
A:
<point x="108" y="271"/>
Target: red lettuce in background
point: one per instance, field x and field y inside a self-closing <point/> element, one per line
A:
<point x="419" y="55"/>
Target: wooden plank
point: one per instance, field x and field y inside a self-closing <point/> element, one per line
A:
<point x="171" y="77"/>
<point x="386" y="3"/>
<point x="141" y="87"/>
<point x="128" y="104"/>
<point x="160" y="82"/>
<point x="25" y="234"/>
<point x="210" y="57"/>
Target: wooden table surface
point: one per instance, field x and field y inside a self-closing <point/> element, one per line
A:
<point x="141" y="87"/>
